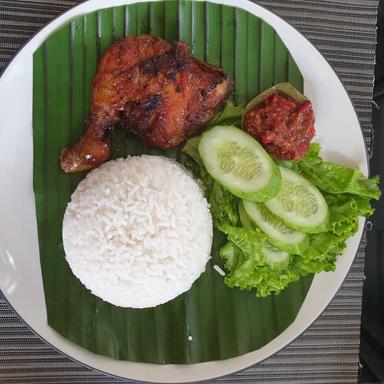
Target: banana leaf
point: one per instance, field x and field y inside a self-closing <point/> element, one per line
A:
<point x="223" y="322"/>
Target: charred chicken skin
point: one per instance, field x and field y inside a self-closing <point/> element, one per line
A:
<point x="156" y="90"/>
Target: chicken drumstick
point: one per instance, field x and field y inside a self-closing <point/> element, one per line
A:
<point x="154" y="89"/>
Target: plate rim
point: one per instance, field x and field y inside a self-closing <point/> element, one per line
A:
<point x="236" y="4"/>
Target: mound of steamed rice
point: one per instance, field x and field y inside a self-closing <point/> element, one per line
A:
<point x="138" y="231"/>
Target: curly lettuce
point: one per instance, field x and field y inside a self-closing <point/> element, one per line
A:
<point x="224" y="207"/>
<point x="345" y="211"/>
<point x="247" y="266"/>
<point x="348" y="196"/>
<point x="334" y="178"/>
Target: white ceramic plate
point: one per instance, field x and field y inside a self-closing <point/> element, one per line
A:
<point x="20" y="277"/>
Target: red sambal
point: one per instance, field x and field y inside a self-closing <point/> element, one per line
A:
<point x="283" y="126"/>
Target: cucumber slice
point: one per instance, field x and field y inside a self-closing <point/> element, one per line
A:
<point x="239" y="163"/>
<point x="245" y="220"/>
<point x="300" y="204"/>
<point x="275" y="257"/>
<point x="278" y="232"/>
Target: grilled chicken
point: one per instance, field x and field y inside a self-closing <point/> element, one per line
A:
<point x="154" y="89"/>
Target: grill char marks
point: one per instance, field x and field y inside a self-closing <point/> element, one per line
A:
<point x="189" y="93"/>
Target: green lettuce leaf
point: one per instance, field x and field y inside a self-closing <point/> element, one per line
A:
<point x="247" y="267"/>
<point x="345" y="210"/>
<point x="334" y="178"/>
<point x="249" y="240"/>
<point x="194" y="164"/>
<point x="224" y="207"/>
<point x="321" y="253"/>
<point x="191" y="149"/>
<point x="347" y="194"/>
<point x="246" y="264"/>
<point x="230" y="115"/>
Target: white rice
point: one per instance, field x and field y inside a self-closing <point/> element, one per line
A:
<point x="138" y="231"/>
<point x="219" y="270"/>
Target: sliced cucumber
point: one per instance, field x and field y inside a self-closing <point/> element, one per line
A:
<point x="245" y="220"/>
<point x="239" y="163"/>
<point x="275" y="257"/>
<point x="277" y="231"/>
<point x="300" y="204"/>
